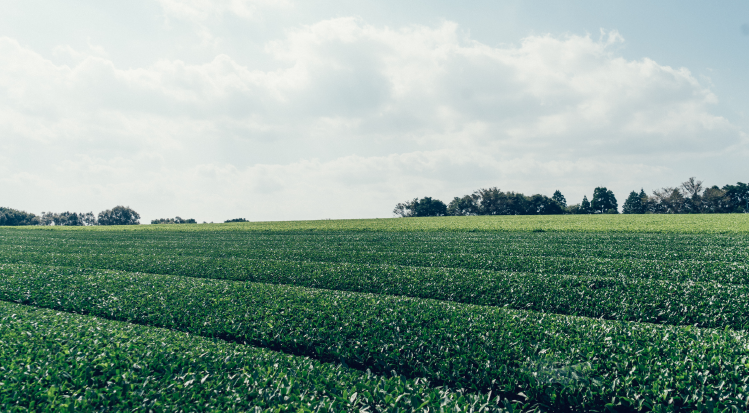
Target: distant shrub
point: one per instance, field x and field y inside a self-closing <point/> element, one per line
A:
<point x="176" y="220"/>
<point x="68" y="218"/>
<point x="236" y="220"/>
<point x="14" y="217"/>
<point x="119" y="215"/>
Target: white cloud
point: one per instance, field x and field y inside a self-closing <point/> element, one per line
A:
<point x="352" y="119"/>
<point x="201" y="10"/>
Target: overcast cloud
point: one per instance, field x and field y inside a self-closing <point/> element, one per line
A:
<point x="343" y="117"/>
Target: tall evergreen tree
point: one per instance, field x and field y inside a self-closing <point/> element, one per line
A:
<point x="633" y="204"/>
<point x="603" y="201"/>
<point x="559" y="198"/>
<point x="585" y="206"/>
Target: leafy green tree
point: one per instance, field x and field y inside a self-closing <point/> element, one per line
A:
<point x="119" y="215"/>
<point x="425" y="207"/>
<point x="559" y="198"/>
<point x="714" y="200"/>
<point x="14" y="217"/>
<point x="236" y="220"/>
<point x="428" y="207"/>
<point x="543" y="205"/>
<point x="603" y="201"/>
<point x="585" y="206"/>
<point x="573" y="209"/>
<point x="669" y="200"/>
<point x="466" y="205"/>
<point x="692" y="191"/>
<point x="738" y="197"/>
<point x="492" y="201"/>
<point x="68" y="218"/>
<point x="634" y="204"/>
<point x="176" y="220"/>
<point x="405" y="209"/>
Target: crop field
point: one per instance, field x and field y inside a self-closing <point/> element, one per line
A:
<point x="507" y="314"/>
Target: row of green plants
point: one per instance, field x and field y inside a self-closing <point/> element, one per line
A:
<point x="63" y="362"/>
<point x="704" y="304"/>
<point x="665" y="247"/>
<point x="549" y="361"/>
<point x="171" y="262"/>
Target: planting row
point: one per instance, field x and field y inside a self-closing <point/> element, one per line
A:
<point x="246" y="268"/>
<point x="57" y="362"/>
<point x="249" y="245"/>
<point x="703" y="304"/>
<point x="560" y="362"/>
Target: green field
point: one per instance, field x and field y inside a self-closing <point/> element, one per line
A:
<point x="548" y="313"/>
<point x="659" y="223"/>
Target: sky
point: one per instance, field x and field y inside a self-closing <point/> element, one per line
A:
<point x="289" y="110"/>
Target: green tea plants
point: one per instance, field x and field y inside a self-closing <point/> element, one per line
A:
<point x="58" y="362"/>
<point x="602" y="313"/>
<point x="477" y="348"/>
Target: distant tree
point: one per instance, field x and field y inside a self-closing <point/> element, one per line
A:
<point x="543" y="205"/>
<point x="634" y="204"/>
<point x="573" y="209"/>
<point x="14" y="217"/>
<point x="425" y="207"/>
<point x="559" y="198"/>
<point x="692" y="191"/>
<point x="119" y="215"/>
<point x="176" y="220"/>
<point x="603" y="201"/>
<point x="235" y="220"/>
<point x="585" y="206"/>
<point x="89" y="219"/>
<point x="405" y="209"/>
<point x="68" y="218"/>
<point x="428" y="207"/>
<point x="669" y="200"/>
<point x="714" y="200"/>
<point x="492" y="201"/>
<point x="467" y="205"/>
<point x="737" y="197"/>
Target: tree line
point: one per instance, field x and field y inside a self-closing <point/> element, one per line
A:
<point x="176" y="220"/>
<point x="689" y="197"/>
<point x="119" y="215"/>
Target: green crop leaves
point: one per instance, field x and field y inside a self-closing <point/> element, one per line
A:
<point x="552" y="320"/>
<point x="554" y="360"/>
<point x="58" y="362"/>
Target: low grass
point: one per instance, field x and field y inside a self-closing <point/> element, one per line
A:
<point x="649" y="223"/>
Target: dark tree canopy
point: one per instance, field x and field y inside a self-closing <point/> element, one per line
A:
<point x="737" y="197"/>
<point x="493" y="201"/>
<point x="559" y="198"/>
<point x="68" y="218"/>
<point x="634" y="203"/>
<point x="14" y="217"/>
<point x="467" y="205"/>
<point x="425" y="207"/>
<point x="691" y="197"/>
<point x="176" y="220"/>
<point x="585" y="206"/>
<point x="236" y="220"/>
<point x="119" y="215"/>
<point x="604" y="201"/>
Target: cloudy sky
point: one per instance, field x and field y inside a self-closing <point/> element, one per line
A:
<point x="281" y="110"/>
